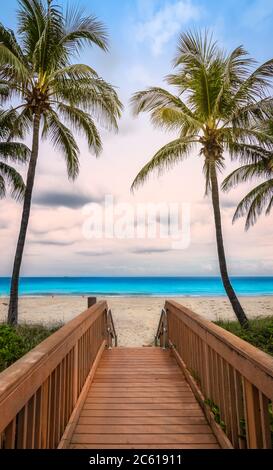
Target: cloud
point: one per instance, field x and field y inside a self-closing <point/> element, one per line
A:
<point x="53" y="242"/>
<point x="150" y="251"/>
<point x="94" y="253"/>
<point x="4" y="225"/>
<point x="228" y="203"/>
<point x="166" y="23"/>
<point x="69" y="200"/>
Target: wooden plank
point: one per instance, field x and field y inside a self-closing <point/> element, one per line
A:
<point x="133" y="393"/>
<point x="131" y="412"/>
<point x="147" y="446"/>
<point x="128" y="377"/>
<point x="138" y="400"/>
<point x="141" y="420"/>
<point x="143" y="439"/>
<point x="141" y="406"/>
<point x="138" y="386"/>
<point x="140" y="380"/>
<point x="142" y="429"/>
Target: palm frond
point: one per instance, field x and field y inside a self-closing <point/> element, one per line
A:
<point x="236" y="67"/>
<point x="14" y="151"/>
<point x="253" y="136"/>
<point x="164" y="159"/>
<point x="11" y="66"/>
<point x="195" y="47"/>
<point x="254" y="203"/>
<point x="254" y="87"/>
<point x="48" y="54"/>
<point x="166" y="110"/>
<point x="93" y="95"/>
<point x="74" y="72"/>
<point x="243" y="174"/>
<point x="7" y="118"/>
<point x="31" y="23"/>
<point x="13" y="179"/>
<point x="22" y="124"/>
<point x="248" y="153"/>
<point x="83" y="123"/>
<point x="80" y="29"/>
<point x="8" y="39"/>
<point x="62" y="139"/>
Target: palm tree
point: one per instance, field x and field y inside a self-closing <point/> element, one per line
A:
<point x="10" y="152"/>
<point x="36" y="68"/>
<point x="220" y="103"/>
<point x="258" y="199"/>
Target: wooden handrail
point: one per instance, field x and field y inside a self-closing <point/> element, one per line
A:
<point x="162" y="330"/>
<point x="233" y="379"/>
<point x="112" y="335"/>
<point x="38" y="393"/>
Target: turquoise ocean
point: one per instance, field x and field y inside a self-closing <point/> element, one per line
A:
<point x="149" y="286"/>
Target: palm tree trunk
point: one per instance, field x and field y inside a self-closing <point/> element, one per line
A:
<point x="13" y="305"/>
<point x="238" y="310"/>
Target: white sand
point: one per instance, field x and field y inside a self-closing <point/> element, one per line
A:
<point x="136" y="318"/>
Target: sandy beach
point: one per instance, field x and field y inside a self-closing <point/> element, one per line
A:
<point x="136" y="318"/>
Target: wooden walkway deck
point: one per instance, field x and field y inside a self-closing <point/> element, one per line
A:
<point x="139" y="398"/>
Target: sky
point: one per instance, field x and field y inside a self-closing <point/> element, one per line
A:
<point x="143" y="39"/>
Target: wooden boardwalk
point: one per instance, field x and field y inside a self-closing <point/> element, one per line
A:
<point x="148" y="398"/>
<point x="139" y="398"/>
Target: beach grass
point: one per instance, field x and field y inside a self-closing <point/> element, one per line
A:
<point x="16" y="341"/>
<point x="259" y="333"/>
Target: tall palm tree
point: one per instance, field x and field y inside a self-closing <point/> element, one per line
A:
<point x="36" y="68"/>
<point x="10" y="153"/>
<point x="221" y="99"/>
<point x="258" y="199"/>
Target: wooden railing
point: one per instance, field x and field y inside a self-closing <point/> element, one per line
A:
<point x="39" y="392"/>
<point x="232" y="380"/>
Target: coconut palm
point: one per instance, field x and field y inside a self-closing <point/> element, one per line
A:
<point x="55" y="95"/>
<point x="10" y="153"/>
<point x="258" y="199"/>
<point x="220" y="102"/>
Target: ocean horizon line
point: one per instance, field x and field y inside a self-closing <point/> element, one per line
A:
<point x="144" y="277"/>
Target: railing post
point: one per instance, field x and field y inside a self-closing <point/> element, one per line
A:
<point x="164" y="336"/>
<point x="109" y="337"/>
<point x="44" y="414"/>
<point x="75" y="373"/>
<point x="165" y="330"/>
<point x="91" y="301"/>
<point x="252" y="416"/>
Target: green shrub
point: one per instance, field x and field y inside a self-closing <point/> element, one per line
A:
<point x="12" y="346"/>
<point x="15" y="342"/>
<point x="259" y="333"/>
